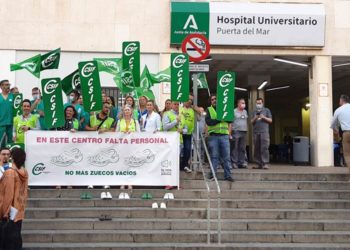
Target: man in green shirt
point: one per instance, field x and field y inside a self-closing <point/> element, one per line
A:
<point x="6" y="114"/>
<point x="37" y="107"/>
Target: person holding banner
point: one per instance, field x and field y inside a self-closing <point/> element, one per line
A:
<point x="218" y="141"/>
<point x="127" y="124"/>
<point x="23" y="123"/>
<point x="167" y="107"/>
<point x="151" y="122"/>
<point x="13" y="199"/>
<point x="38" y="107"/>
<point x="6" y="114"/>
<point x="261" y="119"/>
<point x="101" y="122"/>
<point x="129" y="100"/>
<point x="71" y="121"/>
<point x="73" y="100"/>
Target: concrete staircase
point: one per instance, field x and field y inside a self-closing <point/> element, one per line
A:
<point x="282" y="208"/>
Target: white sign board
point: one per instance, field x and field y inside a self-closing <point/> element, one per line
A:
<point x="88" y="158"/>
<point x="266" y="24"/>
<point x="199" y="67"/>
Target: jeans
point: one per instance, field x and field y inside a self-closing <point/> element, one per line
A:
<point x="219" y="148"/>
<point x="187" y="147"/>
<point x="238" y="153"/>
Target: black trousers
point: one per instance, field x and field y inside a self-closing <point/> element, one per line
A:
<point x="10" y="238"/>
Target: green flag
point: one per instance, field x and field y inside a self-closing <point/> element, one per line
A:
<point x="146" y="81"/>
<point x="51" y="60"/>
<point x="180" y="84"/>
<point x="71" y="82"/>
<point x="90" y="86"/>
<point x="225" y="96"/>
<point x="17" y="104"/>
<point x="109" y="65"/>
<point x="31" y="64"/>
<point x="125" y="81"/>
<point x="202" y="81"/>
<point x="53" y="102"/>
<point x="143" y="92"/>
<point x="162" y="76"/>
<point x="131" y="60"/>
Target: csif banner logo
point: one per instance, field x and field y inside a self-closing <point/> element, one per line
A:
<point x="131" y="60"/>
<point x="225" y="80"/>
<point x="39" y="169"/>
<point x="130" y="49"/>
<point x="225" y="95"/>
<point x="88" y="69"/>
<point x="49" y="60"/>
<point x="17" y="101"/>
<point x="179" y="61"/>
<point x="50" y="86"/>
<point x="76" y="81"/>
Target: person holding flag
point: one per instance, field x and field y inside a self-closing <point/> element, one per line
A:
<point x="218" y="141"/>
<point x="71" y="121"/>
<point x="23" y="123"/>
<point x="151" y="121"/>
<point x="37" y="107"/>
<point x="73" y="100"/>
<point x="6" y="114"/>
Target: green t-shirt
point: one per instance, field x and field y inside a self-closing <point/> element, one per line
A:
<point x="38" y="108"/>
<point x="6" y="107"/>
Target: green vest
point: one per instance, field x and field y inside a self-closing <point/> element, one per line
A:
<point x="172" y="117"/>
<point x="220" y="128"/>
<point x="131" y="128"/>
<point x="187" y="118"/>
<point x="107" y="124"/>
<point x="18" y="122"/>
<point x="75" y="124"/>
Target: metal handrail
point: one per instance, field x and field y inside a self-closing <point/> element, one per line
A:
<point x="217" y="187"/>
<point x="208" y="188"/>
<point x="208" y="191"/>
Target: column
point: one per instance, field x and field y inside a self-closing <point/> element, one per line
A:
<point x="320" y="89"/>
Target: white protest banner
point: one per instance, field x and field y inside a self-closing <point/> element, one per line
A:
<point x="88" y="158"/>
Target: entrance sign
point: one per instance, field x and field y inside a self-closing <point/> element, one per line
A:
<point x="89" y="158"/>
<point x="180" y="82"/>
<point x="90" y="86"/>
<point x="251" y="24"/>
<point x="53" y="102"/>
<point x="225" y="96"/>
<point x="196" y="46"/>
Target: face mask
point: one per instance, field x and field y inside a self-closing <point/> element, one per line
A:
<point x="259" y="106"/>
<point x="243" y="106"/>
<point x="71" y="98"/>
<point x="35" y="97"/>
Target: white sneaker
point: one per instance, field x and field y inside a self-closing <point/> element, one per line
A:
<point x="126" y="196"/>
<point x="109" y="196"/>
<point x="106" y="187"/>
<point x="163" y="205"/>
<point x="121" y="196"/>
<point x="155" y="205"/>
<point x="169" y="196"/>
<point x="103" y="196"/>
<point x="187" y="170"/>
<point x="90" y="187"/>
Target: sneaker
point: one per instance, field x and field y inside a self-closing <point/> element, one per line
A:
<point x="257" y="167"/>
<point x="169" y="187"/>
<point x="121" y="196"/>
<point x="243" y="166"/>
<point x="210" y="177"/>
<point x="106" y="187"/>
<point x="229" y="179"/>
<point x="147" y="196"/>
<point x="109" y="196"/>
<point x="265" y="166"/>
<point x="155" y="205"/>
<point x="126" y="196"/>
<point x="168" y="196"/>
<point x="90" y="187"/>
<point x="103" y="196"/>
<point x="163" y="205"/>
<point x="187" y="170"/>
<point x="234" y="166"/>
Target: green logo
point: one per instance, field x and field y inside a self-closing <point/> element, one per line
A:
<point x="38" y="169"/>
